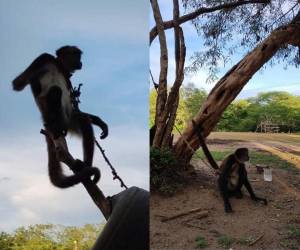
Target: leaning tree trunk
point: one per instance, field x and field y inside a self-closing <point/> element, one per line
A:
<point x="230" y="86"/>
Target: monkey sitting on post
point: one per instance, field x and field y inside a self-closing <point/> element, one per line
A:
<point x="233" y="175"/>
<point x="49" y="78"/>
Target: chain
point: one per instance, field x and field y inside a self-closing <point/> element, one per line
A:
<point x="75" y="94"/>
<point x="113" y="170"/>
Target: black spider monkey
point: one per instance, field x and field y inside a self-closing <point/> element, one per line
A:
<point x="49" y="78"/>
<point x="233" y="175"/>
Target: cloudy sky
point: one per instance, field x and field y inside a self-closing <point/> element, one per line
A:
<point x="274" y="78"/>
<point x="114" y="38"/>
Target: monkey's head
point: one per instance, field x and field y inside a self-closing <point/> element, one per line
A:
<point x="242" y="154"/>
<point x="70" y="57"/>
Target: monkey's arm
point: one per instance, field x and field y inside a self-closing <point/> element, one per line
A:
<point x="34" y="69"/>
<point x="250" y="190"/>
<point x="223" y="183"/>
<point x="100" y="123"/>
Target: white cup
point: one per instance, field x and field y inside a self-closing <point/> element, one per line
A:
<point x="267" y="174"/>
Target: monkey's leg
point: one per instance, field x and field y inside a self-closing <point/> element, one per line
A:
<point x="53" y="116"/>
<point x="62" y="151"/>
<point x="238" y="194"/>
<point x="87" y="138"/>
<point x="252" y="194"/>
<point x="225" y="195"/>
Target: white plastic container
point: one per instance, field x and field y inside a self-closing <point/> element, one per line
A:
<point x="267" y="174"/>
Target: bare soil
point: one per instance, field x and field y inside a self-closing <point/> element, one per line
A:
<point x="250" y="220"/>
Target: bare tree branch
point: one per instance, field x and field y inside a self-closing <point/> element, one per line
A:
<point x="173" y="98"/>
<point x="170" y="24"/>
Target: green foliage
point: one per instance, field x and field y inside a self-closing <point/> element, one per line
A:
<point x="294" y="231"/>
<point x="280" y="107"/>
<point x="6" y="241"/>
<point x="50" y="237"/>
<point x="225" y="241"/>
<point x="190" y="102"/>
<point x="152" y="106"/>
<point x="164" y="171"/>
<point x="193" y="99"/>
<point x="222" y="35"/>
<point x="201" y="242"/>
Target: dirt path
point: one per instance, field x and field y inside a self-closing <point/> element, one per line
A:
<point x="250" y="220"/>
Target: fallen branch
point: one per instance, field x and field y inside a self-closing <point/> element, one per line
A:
<point x="192" y="225"/>
<point x="256" y="240"/>
<point x="203" y="213"/>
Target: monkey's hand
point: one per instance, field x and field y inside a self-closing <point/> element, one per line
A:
<point x="20" y="82"/>
<point x="98" y="122"/>
<point x="104" y="128"/>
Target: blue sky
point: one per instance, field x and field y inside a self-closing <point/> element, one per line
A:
<point x="274" y="78"/>
<point x="114" y="39"/>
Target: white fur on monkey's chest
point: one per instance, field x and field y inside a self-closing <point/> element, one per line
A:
<point x="234" y="177"/>
<point x="53" y="77"/>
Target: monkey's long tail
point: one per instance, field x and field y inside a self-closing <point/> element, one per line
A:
<point x="59" y="179"/>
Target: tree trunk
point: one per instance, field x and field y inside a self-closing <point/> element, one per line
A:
<point x="162" y="84"/>
<point x="166" y="109"/>
<point x="227" y="88"/>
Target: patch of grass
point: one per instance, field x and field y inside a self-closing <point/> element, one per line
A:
<point x="243" y="241"/>
<point x="265" y="158"/>
<point x="293" y="231"/>
<point x="201" y="242"/>
<point x="285" y="243"/>
<point x="218" y="155"/>
<point x="292" y="237"/>
<point x="225" y="241"/>
<point x="256" y="158"/>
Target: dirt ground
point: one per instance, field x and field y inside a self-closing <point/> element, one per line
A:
<point x="270" y="224"/>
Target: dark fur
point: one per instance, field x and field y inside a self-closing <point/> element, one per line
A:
<point x="239" y="157"/>
<point x="53" y="114"/>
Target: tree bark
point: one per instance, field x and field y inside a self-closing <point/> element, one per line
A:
<point x="188" y="17"/>
<point x="162" y="84"/>
<point x="228" y="87"/>
<point x="166" y="114"/>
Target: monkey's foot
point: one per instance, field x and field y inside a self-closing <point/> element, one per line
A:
<point x="257" y="199"/>
<point x="228" y="209"/>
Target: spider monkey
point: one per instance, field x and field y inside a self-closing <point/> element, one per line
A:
<point x="233" y="175"/>
<point x="49" y="78"/>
